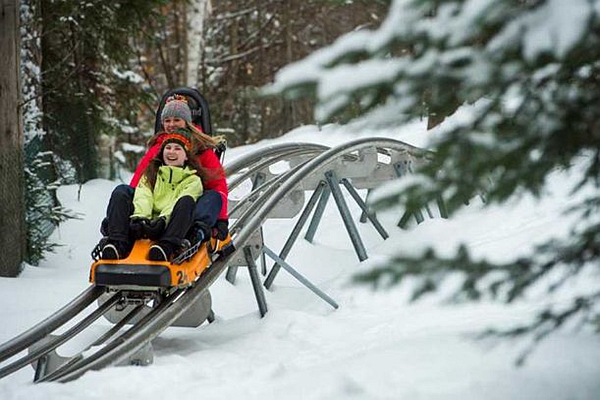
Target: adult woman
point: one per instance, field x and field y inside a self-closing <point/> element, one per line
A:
<point x="163" y="202"/>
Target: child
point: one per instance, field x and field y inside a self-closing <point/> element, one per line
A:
<point x="163" y="202"/>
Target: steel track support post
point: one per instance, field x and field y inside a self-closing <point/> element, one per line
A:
<point x="428" y="211"/>
<point x="287" y="247"/>
<point x="258" y="291"/>
<point x="365" y="210"/>
<point x="231" y="274"/>
<point x="300" y="277"/>
<point x="442" y="207"/>
<point x="363" y="215"/>
<point x="334" y="186"/>
<point x="404" y="220"/>
<point x="258" y="179"/>
<point x="401" y="170"/>
<point x="40" y="368"/>
<point x="410" y="169"/>
<point x="316" y="219"/>
<point x="263" y="259"/>
<point x="419" y="216"/>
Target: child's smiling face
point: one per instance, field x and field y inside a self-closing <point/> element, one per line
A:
<point x="174" y="155"/>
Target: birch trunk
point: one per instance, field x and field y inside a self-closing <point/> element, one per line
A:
<point x="198" y="12"/>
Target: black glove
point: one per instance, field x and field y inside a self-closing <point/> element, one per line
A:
<point x="201" y="231"/>
<point x="137" y="227"/>
<point x="221" y="229"/>
<point x="155" y="228"/>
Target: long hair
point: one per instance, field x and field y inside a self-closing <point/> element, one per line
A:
<point x="151" y="171"/>
<point x="200" y="140"/>
<point x="200" y="143"/>
<point x="204" y="141"/>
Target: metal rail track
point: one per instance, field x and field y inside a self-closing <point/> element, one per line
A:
<point x="56" y="320"/>
<point x="117" y="349"/>
<point x="140" y="333"/>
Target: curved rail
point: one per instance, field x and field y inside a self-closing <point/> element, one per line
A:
<point x="146" y="329"/>
<point x="58" y="340"/>
<point x="268" y="152"/>
<point x="259" y="195"/>
<point x="149" y="327"/>
<point x="261" y="159"/>
<point x="311" y="167"/>
<point x="261" y="163"/>
<point x="257" y="198"/>
<point x="174" y="305"/>
<point x="44" y="328"/>
<point x="162" y="317"/>
<point x="167" y="312"/>
<point x="113" y="351"/>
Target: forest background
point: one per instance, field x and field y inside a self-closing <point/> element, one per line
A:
<point x="92" y="74"/>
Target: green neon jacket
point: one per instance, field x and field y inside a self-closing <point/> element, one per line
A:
<point x="172" y="183"/>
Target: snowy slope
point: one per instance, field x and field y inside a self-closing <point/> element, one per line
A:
<point x="377" y="345"/>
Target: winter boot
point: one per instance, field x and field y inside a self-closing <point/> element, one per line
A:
<point x="161" y="251"/>
<point x="115" y="250"/>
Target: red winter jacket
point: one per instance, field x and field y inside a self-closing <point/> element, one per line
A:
<point x="207" y="159"/>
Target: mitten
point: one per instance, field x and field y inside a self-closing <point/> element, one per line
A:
<point x="137" y="227"/>
<point x="222" y="229"/>
<point x="155" y="228"/>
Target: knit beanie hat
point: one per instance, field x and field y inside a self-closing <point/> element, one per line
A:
<point x="180" y="136"/>
<point x="177" y="107"/>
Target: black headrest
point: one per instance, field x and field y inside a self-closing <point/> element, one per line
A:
<point x="197" y="103"/>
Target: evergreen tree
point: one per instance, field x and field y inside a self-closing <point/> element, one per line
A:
<point x="529" y="72"/>
<point x="42" y="213"/>
<point x="79" y="94"/>
<point x="247" y="42"/>
<point x="89" y="88"/>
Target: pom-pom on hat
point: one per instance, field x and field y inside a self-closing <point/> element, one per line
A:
<point x="176" y="107"/>
<point x="180" y="136"/>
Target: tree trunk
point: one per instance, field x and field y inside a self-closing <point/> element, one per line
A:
<point x="12" y="227"/>
<point x="289" y="114"/>
<point x="262" y="72"/>
<point x="197" y="12"/>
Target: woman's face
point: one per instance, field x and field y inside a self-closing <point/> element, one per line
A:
<point x="170" y="124"/>
<point x="174" y="155"/>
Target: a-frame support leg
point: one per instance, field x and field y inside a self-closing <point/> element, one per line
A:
<point x="369" y="214"/>
<point x="402" y="169"/>
<point x="258" y="291"/>
<point x="300" y="277"/>
<point x="259" y="179"/>
<point x="287" y="247"/>
<point x="318" y="214"/>
<point x="334" y="186"/>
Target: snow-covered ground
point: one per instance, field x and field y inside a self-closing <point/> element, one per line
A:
<point x="377" y="345"/>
